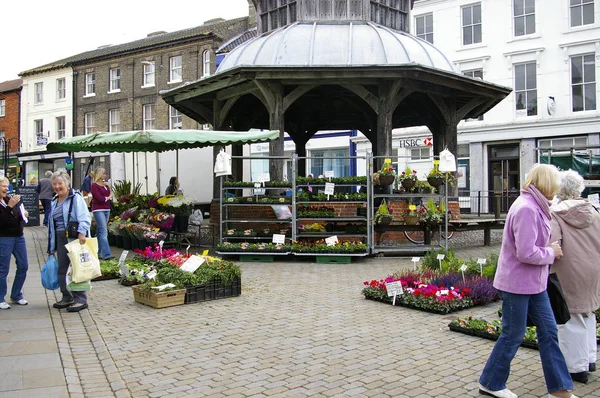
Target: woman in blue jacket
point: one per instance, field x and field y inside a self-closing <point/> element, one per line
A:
<point x="73" y="301"/>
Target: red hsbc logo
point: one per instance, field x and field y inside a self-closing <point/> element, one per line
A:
<point x="428" y="141"/>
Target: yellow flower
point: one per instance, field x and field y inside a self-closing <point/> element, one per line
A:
<point x="412" y="207"/>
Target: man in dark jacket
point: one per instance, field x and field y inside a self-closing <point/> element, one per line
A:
<point x="46" y="193"/>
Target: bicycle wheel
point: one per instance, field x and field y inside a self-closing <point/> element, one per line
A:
<point x="416" y="237"/>
<point x="450" y="235"/>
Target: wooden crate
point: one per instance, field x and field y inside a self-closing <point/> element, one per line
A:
<point x="158" y="299"/>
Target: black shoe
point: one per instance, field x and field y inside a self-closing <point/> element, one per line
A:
<point x="592" y="367"/>
<point x="108" y="258"/>
<point x="62" y="304"/>
<point x="77" y="307"/>
<point x="581" y="377"/>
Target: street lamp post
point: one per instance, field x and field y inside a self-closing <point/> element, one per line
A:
<point x="6" y="143"/>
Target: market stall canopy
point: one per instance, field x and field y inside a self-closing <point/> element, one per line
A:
<point x="158" y="140"/>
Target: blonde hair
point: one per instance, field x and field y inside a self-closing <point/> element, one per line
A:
<point x="4" y="179"/>
<point x="98" y="174"/>
<point x="545" y="177"/>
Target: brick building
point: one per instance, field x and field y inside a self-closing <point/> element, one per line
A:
<point x="10" y="97"/>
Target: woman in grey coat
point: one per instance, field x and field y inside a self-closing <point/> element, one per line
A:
<point x="576" y="224"/>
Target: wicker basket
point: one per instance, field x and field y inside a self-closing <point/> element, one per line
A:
<point x="158" y="299"/>
<point x="411" y="220"/>
<point x="386" y="180"/>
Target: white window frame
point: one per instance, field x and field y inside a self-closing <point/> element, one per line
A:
<point x="114" y="80"/>
<point x="331" y="163"/>
<point x="176" y="69"/>
<point x="148" y="117"/>
<point x="424" y="34"/>
<point x="590" y="85"/>
<point x="148" y="73"/>
<point x="89" y="123"/>
<point x="2" y="107"/>
<point x="206" y="63"/>
<point x="420" y="156"/>
<point x="61" y="89"/>
<point x="90" y="84"/>
<point x="38" y="126"/>
<point x="38" y="93"/>
<point x="471" y="73"/>
<point x="61" y="127"/>
<point x="524" y="16"/>
<point x="579" y="9"/>
<point x="175" y="119"/>
<point x="114" y="120"/>
<point x="527" y="91"/>
<point x="472" y="26"/>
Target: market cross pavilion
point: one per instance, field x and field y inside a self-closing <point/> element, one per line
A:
<point x="335" y="64"/>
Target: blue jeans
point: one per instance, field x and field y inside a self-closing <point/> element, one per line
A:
<point x="515" y="308"/>
<point x="15" y="246"/>
<point x="101" y="217"/>
<point x="47" y="204"/>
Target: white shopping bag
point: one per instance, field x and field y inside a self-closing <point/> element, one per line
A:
<point x="84" y="259"/>
<point x="447" y="161"/>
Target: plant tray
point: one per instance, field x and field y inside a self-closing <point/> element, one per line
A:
<point x="488" y="336"/>
<point x="158" y="299"/>
<point x="105" y="278"/>
<point x="400" y="303"/>
<point x="256" y="258"/>
<point x="212" y="291"/>
<point x="334" y="259"/>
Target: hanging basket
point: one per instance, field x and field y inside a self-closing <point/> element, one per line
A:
<point x="384" y="220"/>
<point x="435" y="181"/>
<point x="386" y="180"/>
<point x="411" y="220"/>
<point x="408" y="184"/>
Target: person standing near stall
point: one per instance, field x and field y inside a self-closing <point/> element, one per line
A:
<point x="45" y="192"/>
<point x="67" y="206"/>
<point x="101" y="199"/>
<point x="12" y="242"/>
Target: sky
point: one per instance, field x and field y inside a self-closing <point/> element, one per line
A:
<point x="43" y="31"/>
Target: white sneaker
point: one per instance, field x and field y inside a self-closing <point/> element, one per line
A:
<point x="20" y="302"/>
<point x="4" y="306"/>
<point x="506" y="393"/>
<point x="554" y="396"/>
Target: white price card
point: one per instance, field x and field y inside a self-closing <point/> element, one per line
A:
<point x="163" y="287"/>
<point x="257" y="185"/>
<point x="594" y="199"/>
<point x="151" y="274"/>
<point x="329" y="188"/>
<point x="192" y="264"/>
<point x="394" y="288"/>
<point x="332" y="240"/>
<point x="264" y="177"/>
<point x="416" y="259"/>
<point x="279" y="238"/>
<point x="441" y="256"/>
<point x="329" y="174"/>
<point x="481" y="261"/>
<point x="123" y="256"/>
<point x="463" y="267"/>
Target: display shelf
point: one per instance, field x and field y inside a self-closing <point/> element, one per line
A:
<point x="327" y="234"/>
<point x="252" y="237"/>
<point x="332" y="254"/>
<point x="231" y="220"/>
<point x="255" y="204"/>
<point x="332" y="219"/>
<point x="330" y="201"/>
<point x="253" y="253"/>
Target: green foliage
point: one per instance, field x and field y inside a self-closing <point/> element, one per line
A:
<point x="109" y="267"/>
<point x="124" y="188"/>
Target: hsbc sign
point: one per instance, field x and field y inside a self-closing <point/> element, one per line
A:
<point x="416" y="142"/>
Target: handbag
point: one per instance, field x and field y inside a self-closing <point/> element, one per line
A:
<point x="557" y="301"/>
<point x="72" y="226"/>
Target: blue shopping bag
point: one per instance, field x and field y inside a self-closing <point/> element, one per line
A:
<point x="50" y="274"/>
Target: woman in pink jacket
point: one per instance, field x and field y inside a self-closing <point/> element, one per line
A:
<point x="521" y="280"/>
<point x="576" y="225"/>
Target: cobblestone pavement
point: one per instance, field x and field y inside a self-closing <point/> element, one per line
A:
<point x="299" y="329"/>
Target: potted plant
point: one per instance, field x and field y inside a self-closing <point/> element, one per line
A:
<point x="383" y="215"/>
<point x="434" y="214"/>
<point x="435" y="178"/>
<point x="408" y="178"/>
<point x="386" y="175"/>
<point x="412" y="215"/>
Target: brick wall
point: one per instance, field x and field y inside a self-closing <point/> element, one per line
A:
<point x="10" y="122"/>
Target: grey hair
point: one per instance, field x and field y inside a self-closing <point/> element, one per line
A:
<point x="571" y="185"/>
<point x="4" y="179"/>
<point x="48" y="174"/>
<point x="63" y="176"/>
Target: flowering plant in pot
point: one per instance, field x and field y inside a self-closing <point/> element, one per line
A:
<point x="383" y="215"/>
<point x="179" y="205"/>
<point x="412" y="215"/>
<point x="434" y="214"/>
<point x="408" y="178"/>
<point x="386" y="175"/>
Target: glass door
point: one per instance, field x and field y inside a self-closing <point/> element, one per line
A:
<point x="504" y="177"/>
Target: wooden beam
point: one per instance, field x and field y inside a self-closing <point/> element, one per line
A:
<point x="468" y="107"/>
<point x="200" y="110"/>
<point x="268" y="96"/>
<point x="227" y="107"/>
<point x="444" y="108"/>
<point x="365" y="94"/>
<point x="237" y="90"/>
<point x="208" y="88"/>
<point x="295" y="94"/>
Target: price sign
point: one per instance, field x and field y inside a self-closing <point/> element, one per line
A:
<point x="192" y="264"/>
<point x="151" y="274"/>
<point x="123" y="256"/>
<point x="257" y="185"/>
<point x="481" y="261"/>
<point x="463" y="267"/>
<point x="416" y="259"/>
<point x="264" y="177"/>
<point x="122" y="265"/>
<point x="278" y="238"/>
<point x="329" y="188"/>
<point x="163" y="287"/>
<point x="441" y="256"/>
<point x="594" y="199"/>
<point x="332" y="240"/>
<point x="329" y="174"/>
<point x="394" y="288"/>
<point x="387" y="160"/>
